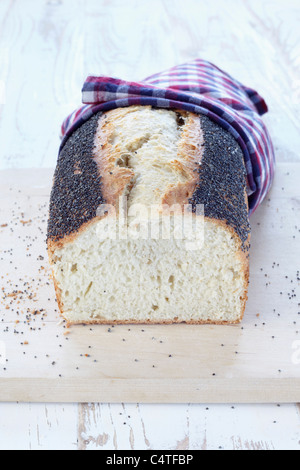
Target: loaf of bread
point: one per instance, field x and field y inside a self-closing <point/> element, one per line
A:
<point x="149" y="220"/>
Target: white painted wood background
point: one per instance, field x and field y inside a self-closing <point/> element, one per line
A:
<point x="47" y="47"/>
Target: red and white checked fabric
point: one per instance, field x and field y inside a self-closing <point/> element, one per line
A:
<point x="199" y="87"/>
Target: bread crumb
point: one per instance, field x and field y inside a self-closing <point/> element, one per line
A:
<point x="24" y="222"/>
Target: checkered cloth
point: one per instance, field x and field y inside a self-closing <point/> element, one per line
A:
<point x="199" y="87"/>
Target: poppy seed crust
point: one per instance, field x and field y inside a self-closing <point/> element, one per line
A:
<point x="76" y="192"/>
<point x="222" y="180"/>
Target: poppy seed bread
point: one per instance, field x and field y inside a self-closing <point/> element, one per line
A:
<point x="148" y="220"/>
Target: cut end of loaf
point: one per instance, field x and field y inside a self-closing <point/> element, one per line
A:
<point x="152" y="281"/>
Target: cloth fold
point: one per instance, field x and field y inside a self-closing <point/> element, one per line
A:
<point x="199" y="87"/>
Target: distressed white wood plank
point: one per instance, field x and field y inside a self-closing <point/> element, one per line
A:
<point x="137" y="427"/>
<point x="34" y="426"/>
<point x="188" y="427"/>
<point x="246" y="427"/>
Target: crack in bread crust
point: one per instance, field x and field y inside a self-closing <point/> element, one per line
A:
<point x="143" y="150"/>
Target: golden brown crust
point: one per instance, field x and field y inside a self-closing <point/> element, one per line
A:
<point x="148" y="322"/>
<point x="115" y="179"/>
<point x="190" y="148"/>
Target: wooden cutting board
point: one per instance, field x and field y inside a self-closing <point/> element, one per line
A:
<point x="42" y="361"/>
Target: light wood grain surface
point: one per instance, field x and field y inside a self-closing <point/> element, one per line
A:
<point x="46" y="50"/>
